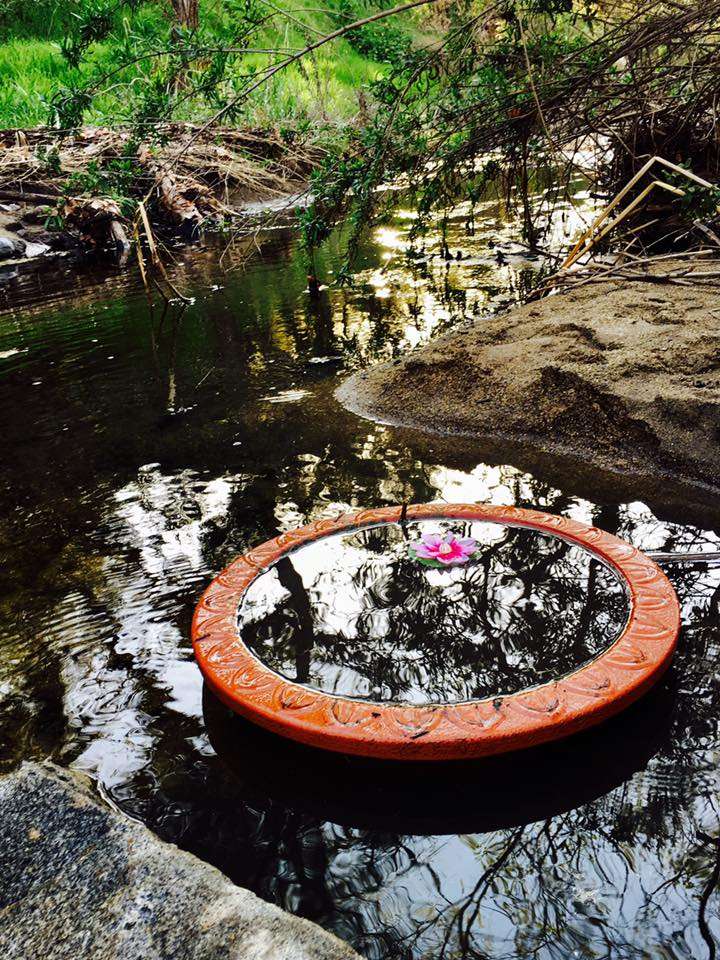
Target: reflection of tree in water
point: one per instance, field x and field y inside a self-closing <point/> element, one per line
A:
<point x="529" y="609"/>
<point x="631" y="874"/>
<point x="96" y="667"/>
<point x="628" y="875"/>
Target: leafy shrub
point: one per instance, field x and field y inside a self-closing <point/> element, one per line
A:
<point x="383" y="41"/>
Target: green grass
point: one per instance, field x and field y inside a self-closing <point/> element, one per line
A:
<point x="30" y="73"/>
<point x="33" y="69"/>
<point x="30" y="70"/>
<point x="326" y="88"/>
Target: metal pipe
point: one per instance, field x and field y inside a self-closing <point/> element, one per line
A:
<point x="711" y="556"/>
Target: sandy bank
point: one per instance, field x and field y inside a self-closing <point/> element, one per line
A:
<point x="624" y="374"/>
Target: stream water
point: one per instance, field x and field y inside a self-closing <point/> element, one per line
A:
<point x="142" y="451"/>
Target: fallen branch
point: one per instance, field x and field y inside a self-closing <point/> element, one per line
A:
<point x="590" y="237"/>
<point x="155" y="258"/>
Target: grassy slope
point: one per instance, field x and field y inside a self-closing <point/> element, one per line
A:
<point x="32" y="68"/>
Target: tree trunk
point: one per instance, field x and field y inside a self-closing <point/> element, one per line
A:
<point x="186" y="13"/>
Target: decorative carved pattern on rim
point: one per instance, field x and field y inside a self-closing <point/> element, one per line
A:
<point x="629" y="667"/>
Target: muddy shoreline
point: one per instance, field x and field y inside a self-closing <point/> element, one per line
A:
<point x="624" y="376"/>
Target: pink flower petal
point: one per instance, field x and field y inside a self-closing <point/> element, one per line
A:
<point x="431" y="539"/>
<point x="422" y="551"/>
<point x="448" y="550"/>
<point x="448" y="558"/>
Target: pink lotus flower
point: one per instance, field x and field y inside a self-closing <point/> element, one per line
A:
<point x="445" y="551"/>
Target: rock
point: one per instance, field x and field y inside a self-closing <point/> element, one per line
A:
<point x="608" y="373"/>
<point x="11" y="246"/>
<point x="79" y="881"/>
<point x="36" y="250"/>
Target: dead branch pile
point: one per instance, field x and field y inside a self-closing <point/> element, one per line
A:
<point x="186" y="181"/>
<point x="646" y="84"/>
<point x="98" y="220"/>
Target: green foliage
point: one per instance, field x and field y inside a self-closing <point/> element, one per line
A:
<point x="495" y="99"/>
<point x="68" y="105"/>
<point x="49" y="160"/>
<point x="104" y="61"/>
<point x="698" y="202"/>
<point x="491" y="106"/>
<point x="114" y="179"/>
<point x="383" y="41"/>
<point x="41" y="19"/>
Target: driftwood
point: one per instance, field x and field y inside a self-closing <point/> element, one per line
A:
<point x="98" y="221"/>
<point x="597" y="231"/>
<point x="155" y="258"/>
<point x="177" y="199"/>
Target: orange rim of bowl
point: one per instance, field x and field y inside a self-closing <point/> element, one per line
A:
<point x="450" y="731"/>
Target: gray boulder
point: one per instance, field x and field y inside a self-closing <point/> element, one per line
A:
<point x="80" y="881"/>
<point x="7" y="248"/>
<point x="11" y="246"/>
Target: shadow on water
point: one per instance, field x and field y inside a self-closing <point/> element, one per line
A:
<point x="141" y="454"/>
<point x="439" y="798"/>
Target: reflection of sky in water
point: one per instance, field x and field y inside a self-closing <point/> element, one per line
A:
<point x="353" y="615"/>
<point x="149" y="455"/>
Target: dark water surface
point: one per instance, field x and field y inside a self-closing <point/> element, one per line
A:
<point x="141" y="453"/>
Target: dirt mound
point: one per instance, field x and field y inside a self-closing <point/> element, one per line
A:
<point x="623" y="373"/>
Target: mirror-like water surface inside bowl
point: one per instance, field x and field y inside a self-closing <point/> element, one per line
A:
<point x="364" y="615"/>
<point x="142" y="451"/>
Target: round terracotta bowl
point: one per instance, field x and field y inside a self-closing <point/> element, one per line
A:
<point x="474" y="728"/>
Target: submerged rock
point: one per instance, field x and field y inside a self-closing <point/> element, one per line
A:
<point x="79" y="881"/>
